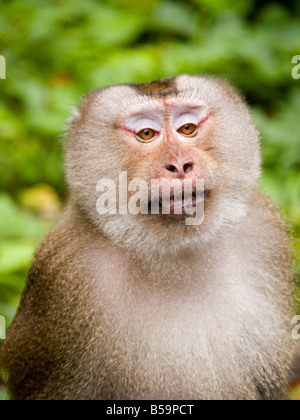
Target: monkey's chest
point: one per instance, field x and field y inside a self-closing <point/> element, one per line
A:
<point x="168" y="351"/>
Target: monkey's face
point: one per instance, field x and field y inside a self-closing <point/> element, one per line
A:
<point x="192" y="133"/>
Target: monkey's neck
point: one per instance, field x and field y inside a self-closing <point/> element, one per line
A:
<point x="182" y="266"/>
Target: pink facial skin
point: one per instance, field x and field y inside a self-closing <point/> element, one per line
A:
<point x="204" y="120"/>
<point x="129" y="130"/>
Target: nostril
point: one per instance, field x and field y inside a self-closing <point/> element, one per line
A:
<point x="172" y="168"/>
<point x="188" y="167"/>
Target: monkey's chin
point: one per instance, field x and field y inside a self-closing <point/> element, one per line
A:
<point x="156" y="236"/>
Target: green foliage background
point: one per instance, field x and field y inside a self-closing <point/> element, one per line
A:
<point x="58" y="50"/>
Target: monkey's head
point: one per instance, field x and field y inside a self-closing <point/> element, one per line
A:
<point x="186" y="128"/>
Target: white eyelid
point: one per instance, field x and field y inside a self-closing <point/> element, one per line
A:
<point x="189" y="118"/>
<point x="140" y="124"/>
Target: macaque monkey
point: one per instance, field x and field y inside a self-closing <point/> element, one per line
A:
<point x="144" y="306"/>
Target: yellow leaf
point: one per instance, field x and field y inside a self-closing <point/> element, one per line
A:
<point x="43" y="200"/>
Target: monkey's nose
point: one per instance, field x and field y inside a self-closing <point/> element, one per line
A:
<point x="180" y="167"/>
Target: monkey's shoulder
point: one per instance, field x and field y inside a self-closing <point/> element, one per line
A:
<point x="66" y="256"/>
<point x="266" y="217"/>
<point x="265" y="234"/>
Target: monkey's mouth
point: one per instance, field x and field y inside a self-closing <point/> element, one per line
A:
<point x="178" y="205"/>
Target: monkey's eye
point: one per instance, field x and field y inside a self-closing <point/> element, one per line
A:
<point x="147" y="134"/>
<point x="188" y="129"/>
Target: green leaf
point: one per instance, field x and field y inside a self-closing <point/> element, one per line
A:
<point x="3" y="394"/>
<point x="15" y="256"/>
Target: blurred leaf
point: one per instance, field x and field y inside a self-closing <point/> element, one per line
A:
<point x="15" y="223"/>
<point x="14" y="256"/>
<point x="175" y="18"/>
<point x="3" y="395"/>
<point x="221" y="6"/>
<point x="295" y="392"/>
<point x="43" y="200"/>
